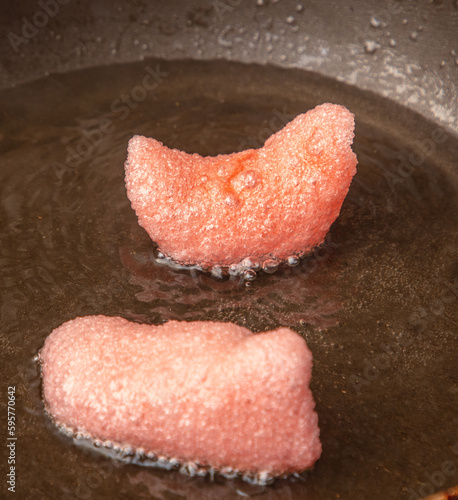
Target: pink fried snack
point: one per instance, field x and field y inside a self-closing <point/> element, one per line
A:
<point x="261" y="204"/>
<point x="211" y="393"/>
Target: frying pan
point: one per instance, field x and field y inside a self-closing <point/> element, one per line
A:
<point x="377" y="303"/>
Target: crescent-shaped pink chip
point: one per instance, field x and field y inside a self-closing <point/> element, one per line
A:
<point x="260" y="205"/>
<point x="205" y="392"/>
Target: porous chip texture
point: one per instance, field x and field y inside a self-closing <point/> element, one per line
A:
<point x="269" y="203"/>
<point x="209" y="392"/>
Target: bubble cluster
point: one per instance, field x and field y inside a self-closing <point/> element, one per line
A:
<point x="247" y="269"/>
<point x="130" y="455"/>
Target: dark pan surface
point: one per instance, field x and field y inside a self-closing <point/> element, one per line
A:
<point x="377" y="304"/>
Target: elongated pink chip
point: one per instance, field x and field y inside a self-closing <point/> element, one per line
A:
<point x="264" y="204"/>
<point x="213" y="393"/>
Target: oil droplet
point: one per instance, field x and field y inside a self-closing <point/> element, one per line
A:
<point x="159" y="255"/>
<point x="292" y="260"/>
<point x="270" y="266"/>
<point x="414" y="36"/>
<point x="189" y="468"/>
<point x="375" y="23"/>
<point x="234" y="269"/>
<point x="217" y="272"/>
<point x="228" y="472"/>
<point x="201" y="472"/>
<point x="249" y="275"/>
<point x="127" y="451"/>
<point x="371" y="47"/>
<point x="392" y="42"/>
<point x="264" y="478"/>
<point x="251" y="263"/>
<point x="290" y="19"/>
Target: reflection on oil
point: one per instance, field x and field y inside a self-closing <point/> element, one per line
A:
<point x="192" y="295"/>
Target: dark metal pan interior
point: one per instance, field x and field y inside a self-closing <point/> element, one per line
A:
<point x="377" y="303"/>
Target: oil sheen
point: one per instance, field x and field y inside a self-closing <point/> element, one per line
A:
<point x="376" y="302"/>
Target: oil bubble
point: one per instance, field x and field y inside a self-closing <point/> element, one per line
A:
<point x="217" y="272"/>
<point x="159" y="255"/>
<point x="251" y="263"/>
<point x="234" y="269"/>
<point x="139" y="456"/>
<point x="249" y="275"/>
<point x="270" y="266"/>
<point x="292" y="260"/>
